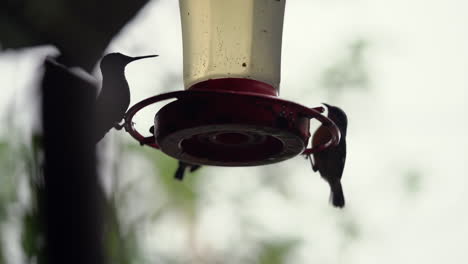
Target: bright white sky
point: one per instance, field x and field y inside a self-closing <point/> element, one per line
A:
<point x="412" y="118"/>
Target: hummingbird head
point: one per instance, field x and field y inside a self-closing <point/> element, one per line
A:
<point x="113" y="62"/>
<point x="339" y="117"/>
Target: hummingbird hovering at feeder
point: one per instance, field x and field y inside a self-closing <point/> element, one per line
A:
<point x="114" y="98"/>
<point x="331" y="161"/>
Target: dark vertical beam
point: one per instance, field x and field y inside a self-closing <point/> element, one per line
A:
<point x="71" y="203"/>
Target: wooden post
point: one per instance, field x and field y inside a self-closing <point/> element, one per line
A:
<point x="72" y="206"/>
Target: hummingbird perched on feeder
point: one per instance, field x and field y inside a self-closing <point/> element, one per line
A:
<point x="114" y="98"/>
<point x="331" y="161"/>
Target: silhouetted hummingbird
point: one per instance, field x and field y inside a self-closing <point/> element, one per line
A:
<point x="114" y="98"/>
<point x="331" y="161"/>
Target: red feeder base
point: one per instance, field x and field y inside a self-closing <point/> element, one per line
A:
<point x="230" y="127"/>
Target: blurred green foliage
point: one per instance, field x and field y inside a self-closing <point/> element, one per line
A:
<point x="275" y="252"/>
<point x="32" y="236"/>
<point x="349" y="72"/>
<point x="6" y="193"/>
<point x="181" y="194"/>
<point x="121" y="245"/>
<point x="17" y="160"/>
<point x="349" y="228"/>
<point x="412" y="179"/>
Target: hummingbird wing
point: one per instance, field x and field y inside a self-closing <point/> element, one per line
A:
<point x="111" y="105"/>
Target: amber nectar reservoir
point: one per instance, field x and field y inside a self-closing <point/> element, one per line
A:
<point x="232" y="39"/>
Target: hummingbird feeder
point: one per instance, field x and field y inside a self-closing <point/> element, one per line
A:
<point x="229" y="113"/>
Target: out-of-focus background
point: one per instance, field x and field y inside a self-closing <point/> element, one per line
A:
<point x="398" y="68"/>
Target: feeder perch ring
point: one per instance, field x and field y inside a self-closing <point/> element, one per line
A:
<point x="230" y="128"/>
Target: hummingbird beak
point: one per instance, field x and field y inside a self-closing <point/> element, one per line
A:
<point x="142" y="57"/>
<point x="327" y="105"/>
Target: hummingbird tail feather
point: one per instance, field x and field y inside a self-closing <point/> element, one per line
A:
<point x="337" y="196"/>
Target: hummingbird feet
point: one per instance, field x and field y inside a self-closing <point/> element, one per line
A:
<point x="119" y="126"/>
<point x="179" y="174"/>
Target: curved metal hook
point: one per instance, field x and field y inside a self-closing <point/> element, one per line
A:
<point x="335" y="134"/>
<point x="129" y="125"/>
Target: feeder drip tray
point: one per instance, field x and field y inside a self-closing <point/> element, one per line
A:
<point x="229" y="130"/>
